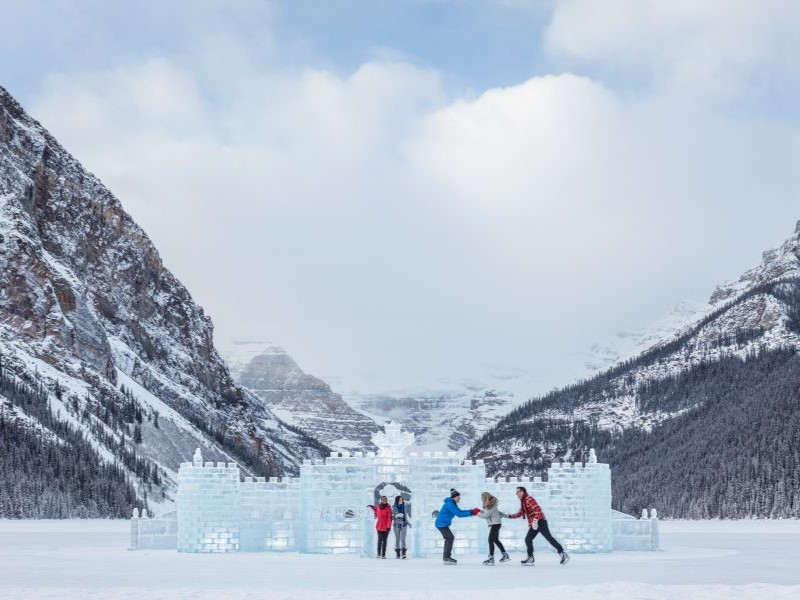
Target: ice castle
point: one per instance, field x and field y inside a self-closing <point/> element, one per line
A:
<point x="324" y="510"/>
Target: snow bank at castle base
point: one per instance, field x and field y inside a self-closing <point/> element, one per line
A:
<point x="718" y="560"/>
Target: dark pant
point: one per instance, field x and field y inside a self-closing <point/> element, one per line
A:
<point x="448" y="541"/>
<point x="545" y="531"/>
<point x="494" y="539"/>
<point x="383" y="537"/>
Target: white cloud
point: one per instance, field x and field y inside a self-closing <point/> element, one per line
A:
<point x="710" y="47"/>
<point x="369" y="222"/>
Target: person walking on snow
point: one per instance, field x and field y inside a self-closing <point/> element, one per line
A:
<point x="401" y="524"/>
<point x="494" y="519"/>
<point x="383" y="524"/>
<point x="445" y="518"/>
<point x="537" y="523"/>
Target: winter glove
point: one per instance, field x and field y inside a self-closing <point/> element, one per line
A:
<point x="475" y="511"/>
<point x="534" y="524"/>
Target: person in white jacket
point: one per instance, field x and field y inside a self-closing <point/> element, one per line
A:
<point x="494" y="519"/>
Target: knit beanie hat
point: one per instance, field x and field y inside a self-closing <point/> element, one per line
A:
<point x="454" y="492"/>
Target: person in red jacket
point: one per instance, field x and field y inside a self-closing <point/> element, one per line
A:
<point x="383" y="524"/>
<point x="537" y="523"/>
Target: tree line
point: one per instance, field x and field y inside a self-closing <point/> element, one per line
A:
<point x="48" y="469"/>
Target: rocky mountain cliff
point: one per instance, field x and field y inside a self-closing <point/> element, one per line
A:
<point x="748" y="334"/>
<point x="297" y="397"/>
<point x="90" y="315"/>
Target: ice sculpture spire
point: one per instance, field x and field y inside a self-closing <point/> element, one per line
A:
<point x="392" y="442"/>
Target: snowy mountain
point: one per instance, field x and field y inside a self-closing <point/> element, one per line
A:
<point x="629" y="343"/>
<point x="443" y="415"/>
<point x="93" y="322"/>
<point x="726" y="363"/>
<point x="452" y="413"/>
<point x="296" y="397"/>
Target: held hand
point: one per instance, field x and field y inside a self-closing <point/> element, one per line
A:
<point x="475" y="511"/>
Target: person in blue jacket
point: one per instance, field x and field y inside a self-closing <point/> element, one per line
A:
<point x="445" y="518"/>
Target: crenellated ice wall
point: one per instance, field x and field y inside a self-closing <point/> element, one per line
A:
<point x="208" y="505"/>
<point x="324" y="510"/>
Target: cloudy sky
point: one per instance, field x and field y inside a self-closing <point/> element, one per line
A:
<point x="426" y="188"/>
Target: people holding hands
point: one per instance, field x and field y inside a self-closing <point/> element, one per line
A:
<point x="494" y="518"/>
<point x="449" y="510"/>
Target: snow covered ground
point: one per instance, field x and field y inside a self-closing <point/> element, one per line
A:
<point x="699" y="560"/>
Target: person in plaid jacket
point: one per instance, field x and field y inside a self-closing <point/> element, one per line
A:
<point x="537" y="523"/>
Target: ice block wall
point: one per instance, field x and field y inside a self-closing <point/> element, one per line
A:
<point x="208" y="506"/>
<point x="269" y="511"/>
<point x="433" y="474"/>
<point x="325" y="509"/>
<point x="631" y="533"/>
<point x="579" y="505"/>
<point x="576" y="499"/>
<point x="333" y="498"/>
<point x="160" y="533"/>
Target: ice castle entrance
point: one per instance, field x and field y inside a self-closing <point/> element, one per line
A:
<point x="390" y="489"/>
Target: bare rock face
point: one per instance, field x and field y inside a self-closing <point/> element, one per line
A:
<point x="299" y="398"/>
<point x="777" y="263"/>
<point x="86" y="292"/>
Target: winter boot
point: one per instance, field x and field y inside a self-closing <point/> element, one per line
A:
<point x="397" y="551"/>
<point x="450" y="561"/>
<point x="404" y="553"/>
<point x="564" y="558"/>
<point x="528" y="562"/>
<point x="505" y="557"/>
<point x="489" y="561"/>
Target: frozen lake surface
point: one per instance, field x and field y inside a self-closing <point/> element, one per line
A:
<point x="705" y="560"/>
